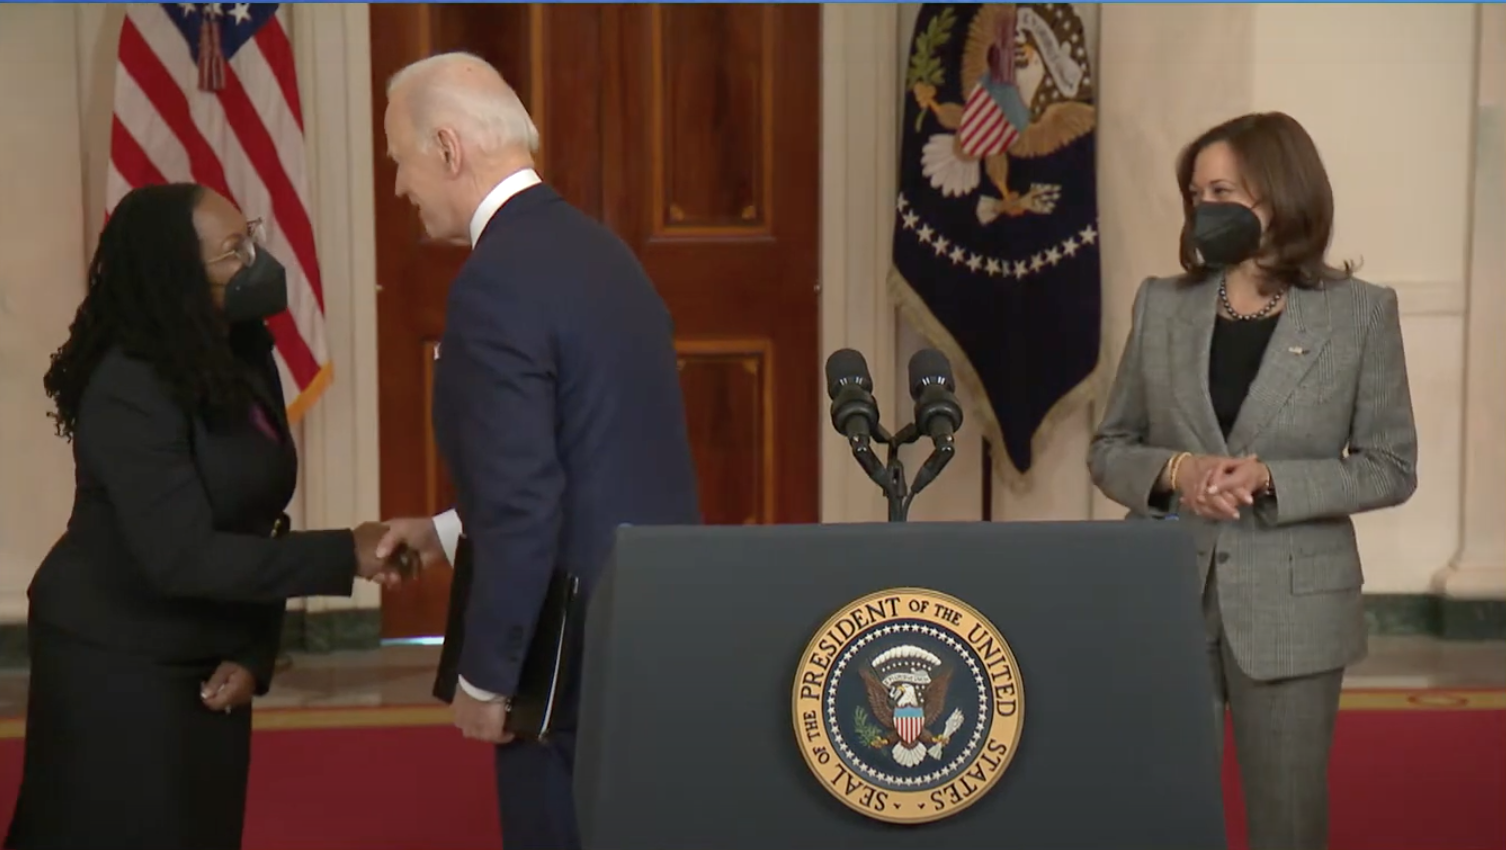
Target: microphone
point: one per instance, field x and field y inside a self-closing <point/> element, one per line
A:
<point x="937" y="413"/>
<point x="854" y="413"/>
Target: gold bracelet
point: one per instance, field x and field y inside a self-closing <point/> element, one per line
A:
<point x="1174" y="467"/>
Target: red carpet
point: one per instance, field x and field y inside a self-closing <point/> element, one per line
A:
<point x="1406" y="780"/>
<point x="1403" y="778"/>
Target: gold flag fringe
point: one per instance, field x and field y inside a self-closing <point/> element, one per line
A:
<point x="913" y="308"/>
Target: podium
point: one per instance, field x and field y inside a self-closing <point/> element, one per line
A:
<point x="969" y="685"/>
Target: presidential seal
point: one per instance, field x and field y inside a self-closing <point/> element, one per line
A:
<point x="908" y="705"/>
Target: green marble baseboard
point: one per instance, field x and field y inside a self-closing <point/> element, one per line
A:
<point x="322" y="631"/>
<point x="332" y="631"/>
<point x="1422" y="614"/>
<point x="1386" y="614"/>
<point x="12" y="645"/>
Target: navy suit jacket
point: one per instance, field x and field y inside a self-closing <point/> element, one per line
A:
<point x="558" y="412"/>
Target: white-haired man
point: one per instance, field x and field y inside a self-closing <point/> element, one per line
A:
<point x="557" y="410"/>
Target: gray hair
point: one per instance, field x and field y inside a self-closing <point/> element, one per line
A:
<point x="491" y="117"/>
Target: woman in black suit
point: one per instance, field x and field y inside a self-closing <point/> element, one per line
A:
<point x="157" y="615"/>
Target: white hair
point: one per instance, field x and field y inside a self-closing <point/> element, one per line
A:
<point x="492" y="120"/>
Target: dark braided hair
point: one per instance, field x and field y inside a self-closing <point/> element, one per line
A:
<point x="150" y="295"/>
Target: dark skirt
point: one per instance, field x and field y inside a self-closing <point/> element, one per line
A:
<point x="121" y="754"/>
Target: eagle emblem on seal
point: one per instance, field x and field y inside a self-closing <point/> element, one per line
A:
<point x="1027" y="94"/>
<point x="907" y="705"/>
<point x="907" y="689"/>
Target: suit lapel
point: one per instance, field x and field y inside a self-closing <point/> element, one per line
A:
<point x="1294" y="348"/>
<point x="1191" y="339"/>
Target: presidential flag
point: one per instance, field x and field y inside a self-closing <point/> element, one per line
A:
<point x="207" y="93"/>
<point x="996" y="225"/>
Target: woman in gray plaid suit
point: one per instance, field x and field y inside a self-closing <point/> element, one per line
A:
<point x="1262" y="398"/>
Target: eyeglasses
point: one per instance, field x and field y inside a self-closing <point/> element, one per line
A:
<point x="245" y="250"/>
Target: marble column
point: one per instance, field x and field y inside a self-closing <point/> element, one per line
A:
<point x="338" y="438"/>
<point x="860" y="72"/>
<point x="1474" y="582"/>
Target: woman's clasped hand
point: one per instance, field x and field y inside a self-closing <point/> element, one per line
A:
<point x="1216" y="487"/>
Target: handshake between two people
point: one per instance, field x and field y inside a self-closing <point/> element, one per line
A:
<point x="398" y="550"/>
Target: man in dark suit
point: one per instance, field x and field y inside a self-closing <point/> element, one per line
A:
<point x="557" y="409"/>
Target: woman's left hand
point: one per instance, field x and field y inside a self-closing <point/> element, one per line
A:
<point x="230" y="687"/>
<point x="1244" y="480"/>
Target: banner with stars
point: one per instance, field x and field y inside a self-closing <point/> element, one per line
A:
<point x="996" y="256"/>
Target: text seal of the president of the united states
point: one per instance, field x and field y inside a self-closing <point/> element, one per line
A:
<point x="908" y="705"/>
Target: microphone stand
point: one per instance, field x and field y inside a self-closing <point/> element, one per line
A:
<point x="890" y="475"/>
<point x="896" y="490"/>
<point x="934" y="405"/>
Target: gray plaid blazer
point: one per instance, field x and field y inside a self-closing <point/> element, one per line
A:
<point x="1330" y="413"/>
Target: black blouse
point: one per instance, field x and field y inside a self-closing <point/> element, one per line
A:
<point x="1233" y="362"/>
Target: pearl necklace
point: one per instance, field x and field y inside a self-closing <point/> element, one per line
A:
<point x="1223" y="296"/>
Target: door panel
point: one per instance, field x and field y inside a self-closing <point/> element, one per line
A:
<point x="692" y="131"/>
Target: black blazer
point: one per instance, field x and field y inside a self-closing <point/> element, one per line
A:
<point x="173" y="549"/>
<point x="557" y="409"/>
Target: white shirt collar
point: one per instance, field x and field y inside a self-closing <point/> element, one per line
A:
<point x="499" y="195"/>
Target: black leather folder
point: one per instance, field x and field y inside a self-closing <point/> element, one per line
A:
<point x="546" y="666"/>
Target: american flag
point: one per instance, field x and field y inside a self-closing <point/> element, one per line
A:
<point x="985" y="130"/>
<point x="207" y="93"/>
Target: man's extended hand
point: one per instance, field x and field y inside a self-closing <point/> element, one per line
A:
<point x="480" y="721"/>
<point x="418" y="534"/>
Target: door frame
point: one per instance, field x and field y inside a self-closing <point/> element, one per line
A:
<point x="860" y="90"/>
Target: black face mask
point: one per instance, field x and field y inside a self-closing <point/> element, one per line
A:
<point x="1225" y="234"/>
<point x="257" y="291"/>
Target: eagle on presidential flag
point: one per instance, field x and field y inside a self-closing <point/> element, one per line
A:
<point x="996" y="231"/>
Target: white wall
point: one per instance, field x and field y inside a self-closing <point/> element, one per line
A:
<point x="41" y="279"/>
<point x="1388" y="91"/>
<point x="1403" y="193"/>
<point x="1477" y="571"/>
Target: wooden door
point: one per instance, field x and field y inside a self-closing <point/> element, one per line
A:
<point x="693" y="132"/>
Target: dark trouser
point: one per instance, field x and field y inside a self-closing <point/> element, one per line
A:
<point x="535" y="795"/>
<point x="1283" y="731"/>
